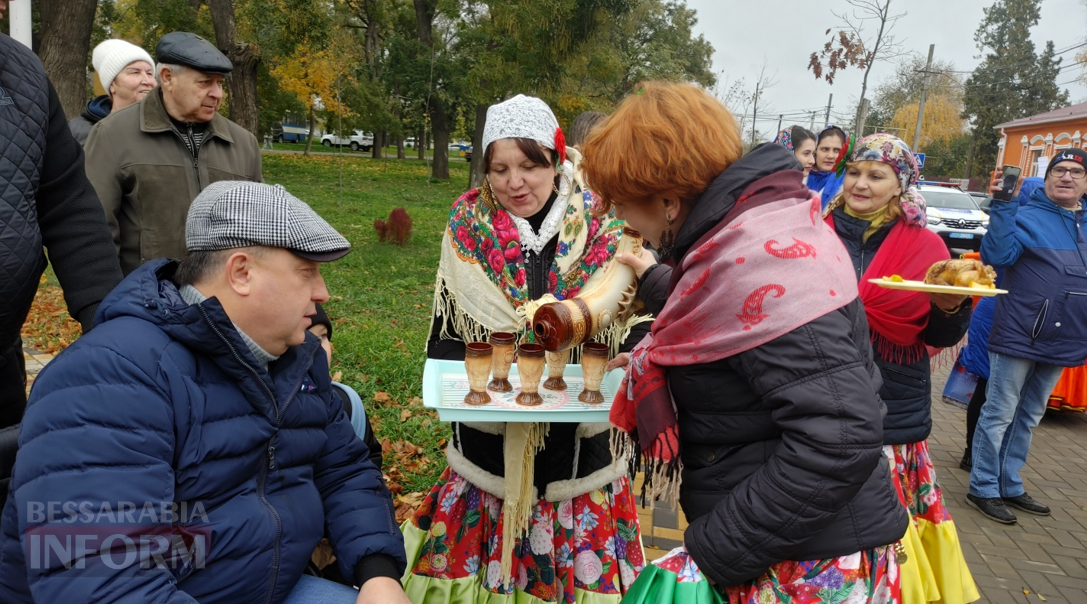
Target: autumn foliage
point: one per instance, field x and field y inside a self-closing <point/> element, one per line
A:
<point x="397" y="229"/>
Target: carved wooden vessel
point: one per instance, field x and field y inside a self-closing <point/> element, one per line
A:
<point x="569" y="323"/>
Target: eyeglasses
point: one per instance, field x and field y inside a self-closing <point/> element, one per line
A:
<point x="1076" y="173"/>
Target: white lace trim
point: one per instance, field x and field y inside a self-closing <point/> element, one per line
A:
<point x="535" y="242"/>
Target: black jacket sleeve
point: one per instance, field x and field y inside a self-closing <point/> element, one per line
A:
<point x="653" y="287"/>
<point x="449" y="350"/>
<point x="73" y="225"/>
<point x="823" y="399"/>
<point x="946" y="329"/>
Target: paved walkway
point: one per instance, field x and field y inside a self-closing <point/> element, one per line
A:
<point x="35" y="361"/>
<point x="1037" y="560"/>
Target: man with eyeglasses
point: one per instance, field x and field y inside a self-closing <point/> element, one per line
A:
<point x="1039" y="328"/>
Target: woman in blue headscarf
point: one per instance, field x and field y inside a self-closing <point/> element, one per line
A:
<point x="830" y="145"/>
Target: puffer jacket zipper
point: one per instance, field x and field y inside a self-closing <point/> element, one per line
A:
<point x="262" y="478"/>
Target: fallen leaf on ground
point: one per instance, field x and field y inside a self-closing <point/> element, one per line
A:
<point x="405" y="414"/>
<point x="382" y="397"/>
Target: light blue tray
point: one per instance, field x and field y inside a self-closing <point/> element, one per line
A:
<point x="445" y="384"/>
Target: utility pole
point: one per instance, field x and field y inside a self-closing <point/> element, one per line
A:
<point x="921" y="106"/>
<point x="811" y="126"/>
<point x="755" y="114"/>
<point x="780" y="116"/>
<point x="19" y="15"/>
<point x="829" y="102"/>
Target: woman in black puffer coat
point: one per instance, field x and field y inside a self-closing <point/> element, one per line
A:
<point x="756" y="384"/>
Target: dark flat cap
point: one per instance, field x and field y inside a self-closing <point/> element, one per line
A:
<point x="190" y="50"/>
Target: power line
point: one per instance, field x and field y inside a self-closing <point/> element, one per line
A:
<point x="1026" y="61"/>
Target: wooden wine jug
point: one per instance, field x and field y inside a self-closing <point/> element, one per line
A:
<point x="606" y="298"/>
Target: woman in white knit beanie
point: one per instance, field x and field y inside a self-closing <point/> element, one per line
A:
<point x="127" y="73"/>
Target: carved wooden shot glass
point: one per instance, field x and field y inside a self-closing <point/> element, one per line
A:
<point x="504" y="346"/>
<point x="594" y="360"/>
<point x="477" y="363"/>
<point x="530" y="368"/>
<point x="556" y="366"/>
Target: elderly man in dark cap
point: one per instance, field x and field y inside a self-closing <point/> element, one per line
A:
<point x="202" y="402"/>
<point x="149" y="161"/>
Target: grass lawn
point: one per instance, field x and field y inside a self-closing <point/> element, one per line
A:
<point x="390" y="152"/>
<point x="381" y="295"/>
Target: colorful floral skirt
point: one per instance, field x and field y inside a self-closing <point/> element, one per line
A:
<point x="869" y="577"/>
<point x="934" y="569"/>
<point x="587" y="549"/>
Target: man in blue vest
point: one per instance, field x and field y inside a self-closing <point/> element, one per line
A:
<point x="1039" y="328"/>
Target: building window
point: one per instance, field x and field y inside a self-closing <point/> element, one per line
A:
<point x="1033" y="166"/>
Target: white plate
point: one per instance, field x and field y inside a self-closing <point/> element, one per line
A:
<point x="921" y="286"/>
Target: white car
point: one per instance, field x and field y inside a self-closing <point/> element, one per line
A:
<point x="358" y="140"/>
<point x="954" y="215"/>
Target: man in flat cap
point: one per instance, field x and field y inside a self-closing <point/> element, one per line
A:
<point x="150" y="160"/>
<point x="201" y="401"/>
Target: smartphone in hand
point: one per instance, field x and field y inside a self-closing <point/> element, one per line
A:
<point x="1008" y="178"/>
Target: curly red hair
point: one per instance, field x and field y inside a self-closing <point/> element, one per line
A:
<point x="664" y="140"/>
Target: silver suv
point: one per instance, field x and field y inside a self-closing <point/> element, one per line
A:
<point x="954" y="216"/>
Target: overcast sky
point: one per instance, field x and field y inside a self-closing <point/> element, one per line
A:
<point x="784" y="33"/>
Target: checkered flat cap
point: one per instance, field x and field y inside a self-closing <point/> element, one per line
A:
<point x="231" y="214"/>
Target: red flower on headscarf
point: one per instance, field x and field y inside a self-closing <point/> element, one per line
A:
<point x="496" y="260"/>
<point x="513" y="253"/>
<point x="464" y="236"/>
<point x="519" y="278"/>
<point x="560" y="144"/>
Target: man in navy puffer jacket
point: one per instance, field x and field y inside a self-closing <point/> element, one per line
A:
<point x="1039" y="328"/>
<point x="201" y="402"/>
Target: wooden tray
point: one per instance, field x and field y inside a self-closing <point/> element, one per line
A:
<point x="921" y="286"/>
<point x="445" y="383"/>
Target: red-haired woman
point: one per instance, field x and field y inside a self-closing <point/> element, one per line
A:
<point x="527" y="232"/>
<point x="756" y="384"/>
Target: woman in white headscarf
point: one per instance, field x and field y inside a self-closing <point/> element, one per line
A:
<point x="527" y="232"/>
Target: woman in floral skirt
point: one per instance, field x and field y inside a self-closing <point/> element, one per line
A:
<point x="526" y="233"/>
<point x="880" y="217"/>
<point x="755" y="385"/>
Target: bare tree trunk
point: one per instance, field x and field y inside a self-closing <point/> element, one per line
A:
<point x="242" y="82"/>
<point x="379" y="144"/>
<point x="475" y="173"/>
<point x="400" y="147"/>
<point x="420" y="149"/>
<point x="312" y="128"/>
<point x="424" y="19"/>
<point x="65" y="41"/>
<point x="970" y="157"/>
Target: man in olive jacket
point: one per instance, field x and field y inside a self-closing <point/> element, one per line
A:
<point x="150" y="160"/>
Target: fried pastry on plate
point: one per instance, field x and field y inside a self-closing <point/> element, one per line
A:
<point x="962" y="273"/>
